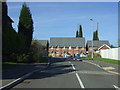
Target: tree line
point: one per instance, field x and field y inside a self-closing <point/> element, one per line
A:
<point x="79" y="33"/>
<point x="16" y="43"/>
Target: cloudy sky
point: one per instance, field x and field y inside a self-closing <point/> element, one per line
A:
<point x="61" y="19"/>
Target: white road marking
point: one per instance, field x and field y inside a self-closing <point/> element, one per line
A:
<point x="69" y="62"/>
<point x="80" y="82"/>
<point x="73" y="66"/>
<point x="116" y="87"/>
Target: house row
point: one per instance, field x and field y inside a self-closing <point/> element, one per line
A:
<point x="61" y="47"/>
<point x="71" y="46"/>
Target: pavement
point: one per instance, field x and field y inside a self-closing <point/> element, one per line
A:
<point x="13" y="76"/>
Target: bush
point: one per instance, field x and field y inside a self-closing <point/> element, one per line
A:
<point x="50" y="55"/>
<point x="31" y="58"/>
<point x="34" y="57"/>
<point x="97" y="55"/>
<point x="13" y="57"/>
<point x="23" y="58"/>
<point x="43" y="60"/>
<point x="94" y="54"/>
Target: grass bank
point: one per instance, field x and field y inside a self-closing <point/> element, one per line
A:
<point x="117" y="62"/>
<point x="6" y="65"/>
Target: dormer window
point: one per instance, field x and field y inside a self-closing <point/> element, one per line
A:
<point x="57" y="47"/>
<point x="51" y="47"/>
<point x="82" y="47"/>
<point x="69" y="47"/>
<point x="77" y="47"/>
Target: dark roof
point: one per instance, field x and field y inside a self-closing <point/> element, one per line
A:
<point x="42" y="42"/>
<point x="98" y="43"/>
<point x="73" y="42"/>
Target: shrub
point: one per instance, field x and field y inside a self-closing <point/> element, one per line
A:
<point x="43" y="60"/>
<point x="94" y="54"/>
<point x="23" y="58"/>
<point x="31" y="58"/>
<point x="97" y="55"/>
<point x="13" y="57"/>
<point x="50" y="55"/>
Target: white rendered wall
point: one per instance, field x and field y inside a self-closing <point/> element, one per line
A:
<point x="113" y="53"/>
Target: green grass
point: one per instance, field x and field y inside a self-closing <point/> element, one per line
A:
<point x="108" y="60"/>
<point x="7" y="65"/>
<point x="103" y="60"/>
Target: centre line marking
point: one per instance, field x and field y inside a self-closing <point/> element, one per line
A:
<point x="80" y="82"/>
<point x="73" y="66"/>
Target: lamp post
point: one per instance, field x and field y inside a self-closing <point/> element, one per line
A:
<point x="92" y="41"/>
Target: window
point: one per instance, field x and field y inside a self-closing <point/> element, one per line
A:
<point x="64" y="47"/>
<point x="51" y="47"/>
<point x="57" y="47"/>
<point x="77" y="47"/>
<point x="64" y="52"/>
<point x="57" y="53"/>
<point x="82" y="47"/>
<point x="69" y="47"/>
<point x="52" y="52"/>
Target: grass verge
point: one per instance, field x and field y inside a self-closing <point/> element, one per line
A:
<point x="112" y="61"/>
<point x="6" y="65"/>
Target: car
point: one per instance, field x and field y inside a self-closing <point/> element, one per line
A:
<point x="69" y="55"/>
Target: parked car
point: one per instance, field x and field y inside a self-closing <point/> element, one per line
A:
<point x="69" y="55"/>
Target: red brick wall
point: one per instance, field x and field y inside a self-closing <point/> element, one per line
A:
<point x="73" y="51"/>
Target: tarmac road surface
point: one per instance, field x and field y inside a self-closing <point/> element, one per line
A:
<point x="68" y="73"/>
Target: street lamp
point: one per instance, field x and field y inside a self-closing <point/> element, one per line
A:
<point x="92" y="41"/>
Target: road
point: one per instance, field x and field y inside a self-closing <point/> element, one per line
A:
<point x="67" y="73"/>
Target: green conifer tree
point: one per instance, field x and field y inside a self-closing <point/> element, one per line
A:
<point x="80" y="32"/>
<point x="95" y="35"/>
<point x="25" y="28"/>
<point x="9" y="35"/>
<point x="77" y="33"/>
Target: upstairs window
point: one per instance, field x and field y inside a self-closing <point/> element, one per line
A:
<point x="69" y="47"/>
<point x="51" y="47"/>
<point x="64" y="47"/>
<point x="77" y="47"/>
<point x="57" y="47"/>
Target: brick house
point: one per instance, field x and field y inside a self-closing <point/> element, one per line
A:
<point x="61" y="47"/>
<point x="98" y="45"/>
